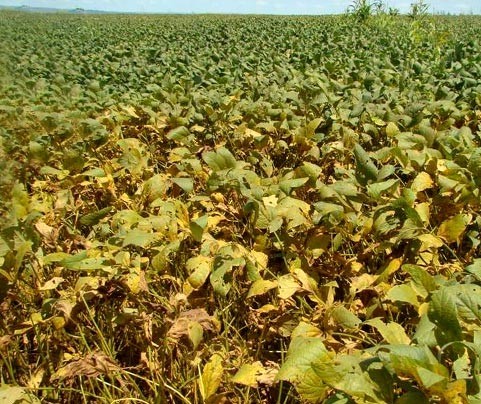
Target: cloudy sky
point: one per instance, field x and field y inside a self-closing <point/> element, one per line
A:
<point x="241" y="6"/>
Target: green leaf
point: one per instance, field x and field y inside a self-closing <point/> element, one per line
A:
<point x="312" y="126"/>
<point x="305" y="353"/>
<point x="366" y="170"/>
<point x="81" y="262"/>
<point x="187" y="184"/>
<point x="20" y="201"/>
<point x="94" y="218"/>
<point x="421" y="278"/>
<point x="54" y="172"/>
<point x="139" y="238"/>
<point x="344" y="317"/>
<point x="311" y="170"/>
<point x="134" y="157"/>
<point x="198" y="226"/>
<point x="288" y="286"/>
<point x="462" y="367"/>
<point x="325" y="208"/>
<point x="286" y="186"/>
<point x="345" y="373"/>
<point x="125" y="219"/>
<point x="180" y="134"/>
<point x="55" y="257"/>
<point x="419" y="363"/>
<point x="94" y="172"/>
<point x="474" y="165"/>
<point x="443" y="313"/>
<point x="221" y="159"/>
<point x="475" y="268"/>
<point x="425" y="332"/>
<point x="430" y="242"/>
<point x="428" y="378"/>
<point x="195" y="332"/>
<point x="393" y="333"/>
<point x="161" y="260"/>
<point x="295" y="211"/>
<point x="345" y="188"/>
<point x="403" y="293"/>
<point x="156" y="187"/>
<point x="302" y="355"/>
<point x="377" y="189"/>
<point x="468" y="302"/>
<point x="392" y="129"/>
<point x="221" y="277"/>
<point x="339" y="398"/>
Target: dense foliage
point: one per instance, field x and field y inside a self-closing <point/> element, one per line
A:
<point x="230" y="209"/>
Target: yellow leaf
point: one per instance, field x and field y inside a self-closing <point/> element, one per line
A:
<point x="362" y="282"/>
<point x="288" y="286"/>
<point x="392" y="129"/>
<point x="135" y="282"/>
<point x="422" y="182"/>
<point x="199" y="268"/>
<point x="455" y="393"/>
<point x="452" y="229"/>
<point x="260" y="287"/>
<point x="270" y="201"/>
<point x="267" y="308"/>
<point x="218" y="197"/>
<point x="429" y="241"/>
<point x="51" y="284"/>
<point x="261" y="258"/>
<point x="356" y="266"/>
<point x="248" y="374"/>
<point x="252" y="133"/>
<point x="423" y="210"/>
<point x="36" y="318"/>
<point x="423" y="309"/>
<point x="213" y="221"/>
<point x="36" y="379"/>
<point x="211" y="377"/>
<point x="197" y="128"/>
<point x="390" y="268"/>
<point x="58" y="322"/>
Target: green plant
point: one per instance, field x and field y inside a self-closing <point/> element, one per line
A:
<point x="419" y="9"/>
<point x="361" y="10"/>
<point x="239" y="209"/>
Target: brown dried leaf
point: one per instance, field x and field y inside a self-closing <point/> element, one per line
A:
<point x="5" y="342"/>
<point x="94" y="364"/>
<point x="181" y="326"/>
<point x="49" y="233"/>
<point x="66" y="308"/>
<point x="268" y="377"/>
<point x="51" y="284"/>
<point x="256" y="373"/>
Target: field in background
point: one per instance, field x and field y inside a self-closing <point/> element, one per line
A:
<point x="240" y="209"/>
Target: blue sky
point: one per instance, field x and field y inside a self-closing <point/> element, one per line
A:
<point x="240" y="6"/>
